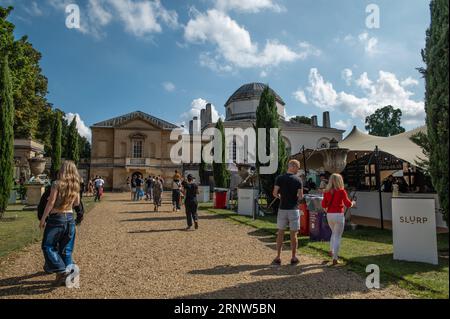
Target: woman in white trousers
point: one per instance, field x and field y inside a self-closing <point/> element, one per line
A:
<point x="334" y="199"/>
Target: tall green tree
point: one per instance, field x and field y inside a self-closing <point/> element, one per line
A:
<point x="220" y="172"/>
<point x="32" y="112"/>
<point x="73" y="146"/>
<point x="267" y="117"/>
<point x="6" y="134"/>
<point x="385" y="122"/>
<point x="435" y="56"/>
<point x="56" y="144"/>
<point x="301" y="119"/>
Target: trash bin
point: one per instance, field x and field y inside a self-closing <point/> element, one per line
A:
<point x="304" y="220"/>
<point x="220" y="198"/>
<point x="318" y="224"/>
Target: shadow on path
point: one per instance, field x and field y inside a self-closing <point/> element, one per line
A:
<point x="156" y="231"/>
<point x="22" y="285"/>
<point x="294" y="282"/>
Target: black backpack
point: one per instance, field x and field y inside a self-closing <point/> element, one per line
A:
<point x="79" y="210"/>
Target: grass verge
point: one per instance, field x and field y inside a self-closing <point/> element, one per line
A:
<point x="20" y="228"/>
<point x="364" y="246"/>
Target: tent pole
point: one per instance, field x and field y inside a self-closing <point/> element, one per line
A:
<point x="304" y="160"/>
<point x="378" y="182"/>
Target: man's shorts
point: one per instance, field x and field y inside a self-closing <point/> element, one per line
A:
<point x="288" y="217"/>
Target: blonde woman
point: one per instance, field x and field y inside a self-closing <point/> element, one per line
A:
<point x="334" y="199"/>
<point x="59" y="233"/>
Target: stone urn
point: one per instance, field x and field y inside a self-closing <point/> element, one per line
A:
<point x="37" y="167"/>
<point x="35" y="188"/>
<point x="334" y="158"/>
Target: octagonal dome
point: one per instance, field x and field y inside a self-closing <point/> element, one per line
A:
<point x="243" y="103"/>
<point x="251" y="91"/>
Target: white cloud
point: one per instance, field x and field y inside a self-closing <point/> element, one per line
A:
<point x="212" y="62"/>
<point x="343" y="125"/>
<point x="263" y="74"/>
<point x="386" y="90"/>
<point x="169" y="86"/>
<point x="140" y="18"/>
<point x="321" y="93"/>
<point x="368" y="42"/>
<point x="364" y="82"/>
<point x="300" y="96"/>
<point x="196" y="106"/>
<point x="252" y="6"/>
<point x="33" y="9"/>
<point x="347" y="75"/>
<point x="307" y="49"/>
<point x="234" y="44"/>
<point x="83" y="130"/>
<point x="409" y="81"/>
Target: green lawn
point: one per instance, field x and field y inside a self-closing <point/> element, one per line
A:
<point x="20" y="228"/>
<point x="365" y="246"/>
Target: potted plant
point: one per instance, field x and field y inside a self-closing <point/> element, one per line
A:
<point x="221" y="174"/>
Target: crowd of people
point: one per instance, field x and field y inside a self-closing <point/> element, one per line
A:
<point x="151" y="189"/>
<point x="58" y="220"/>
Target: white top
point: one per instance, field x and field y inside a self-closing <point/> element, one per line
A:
<point x="99" y="182"/>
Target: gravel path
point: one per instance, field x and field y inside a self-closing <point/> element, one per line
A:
<point x="125" y="250"/>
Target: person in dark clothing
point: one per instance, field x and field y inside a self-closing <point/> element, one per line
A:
<point x="311" y="185"/>
<point x="387" y="184"/>
<point x="139" y="188"/>
<point x="402" y="185"/>
<point x="289" y="189"/>
<point x="190" y="192"/>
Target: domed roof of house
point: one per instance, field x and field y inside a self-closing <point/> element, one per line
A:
<point x="251" y="91"/>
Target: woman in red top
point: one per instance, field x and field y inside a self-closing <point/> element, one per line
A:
<point x="334" y="200"/>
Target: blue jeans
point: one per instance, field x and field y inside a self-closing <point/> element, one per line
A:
<point x="58" y="242"/>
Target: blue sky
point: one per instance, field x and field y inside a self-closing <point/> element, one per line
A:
<point x="167" y="58"/>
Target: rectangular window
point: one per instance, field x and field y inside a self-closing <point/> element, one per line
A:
<point x="137" y="149"/>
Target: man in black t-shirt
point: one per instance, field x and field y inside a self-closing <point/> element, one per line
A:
<point x="190" y="192"/>
<point x="289" y="189"/>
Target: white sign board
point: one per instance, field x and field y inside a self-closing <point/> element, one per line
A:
<point x="246" y="201"/>
<point x="414" y="229"/>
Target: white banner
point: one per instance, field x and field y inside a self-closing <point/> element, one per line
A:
<point x="414" y="229"/>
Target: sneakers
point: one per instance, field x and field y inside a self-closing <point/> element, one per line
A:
<point x="336" y="262"/>
<point x="60" y="279"/>
<point x="276" y="262"/>
<point x="295" y="261"/>
<point x="196" y="225"/>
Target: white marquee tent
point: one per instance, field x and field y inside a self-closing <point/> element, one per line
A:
<point x="399" y="145"/>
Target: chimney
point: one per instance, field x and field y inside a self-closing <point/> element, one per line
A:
<point x="208" y="114"/>
<point x="202" y="118"/>
<point x="191" y="127"/>
<point x="314" y="121"/>
<point x="195" y="125"/>
<point x="326" y="120"/>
